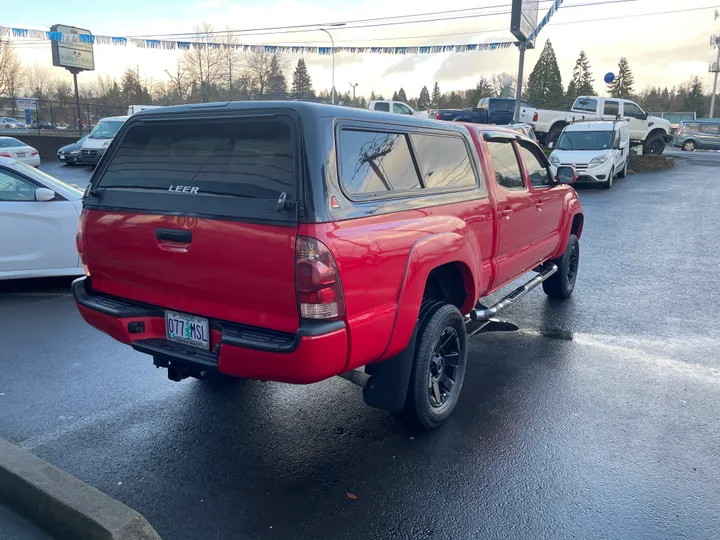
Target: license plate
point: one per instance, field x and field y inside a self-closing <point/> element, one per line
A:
<point x="187" y="329"/>
<point x="21" y="154"/>
<point x="62" y="157"/>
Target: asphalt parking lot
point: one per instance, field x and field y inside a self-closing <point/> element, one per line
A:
<point x="598" y="419"/>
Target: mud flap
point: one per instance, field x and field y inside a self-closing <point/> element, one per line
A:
<point x="390" y="379"/>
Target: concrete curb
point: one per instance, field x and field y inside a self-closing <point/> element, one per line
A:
<point x="63" y="505"/>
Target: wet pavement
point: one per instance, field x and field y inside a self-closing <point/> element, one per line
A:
<point x="598" y="419"/>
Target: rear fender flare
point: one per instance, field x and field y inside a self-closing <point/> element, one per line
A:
<point x="426" y="255"/>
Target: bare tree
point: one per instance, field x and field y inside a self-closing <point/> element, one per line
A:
<point x="10" y="69"/>
<point x="203" y="63"/>
<point x="258" y="67"/>
<point x="176" y="89"/>
<point x="37" y="80"/>
<point x="231" y="64"/>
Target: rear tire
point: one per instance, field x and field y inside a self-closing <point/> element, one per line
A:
<point x="438" y="369"/>
<point x="562" y="283"/>
<point x="689" y="146"/>
<point x="553" y="135"/>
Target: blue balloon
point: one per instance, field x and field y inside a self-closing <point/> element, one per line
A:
<point x="609" y="77"/>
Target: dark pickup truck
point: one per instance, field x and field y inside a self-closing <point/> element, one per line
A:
<point x="488" y="111"/>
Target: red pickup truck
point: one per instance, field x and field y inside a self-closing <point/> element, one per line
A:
<point x="294" y="242"/>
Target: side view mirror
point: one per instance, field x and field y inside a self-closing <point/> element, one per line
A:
<point x="565" y="175"/>
<point x="645" y="116"/>
<point x="44" y="194"/>
<point x="551" y="145"/>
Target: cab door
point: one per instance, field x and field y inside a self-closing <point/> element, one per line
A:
<point x="516" y="213"/>
<point x="547" y="197"/>
<point x="637" y="118"/>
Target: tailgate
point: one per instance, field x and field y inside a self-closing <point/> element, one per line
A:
<point x="185" y="216"/>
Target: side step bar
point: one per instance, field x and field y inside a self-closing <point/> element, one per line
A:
<point x="488" y="313"/>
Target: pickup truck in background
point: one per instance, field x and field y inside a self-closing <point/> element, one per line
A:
<point x="651" y="131"/>
<point x="347" y="239"/>
<point x="397" y="107"/>
<point x="488" y="111"/>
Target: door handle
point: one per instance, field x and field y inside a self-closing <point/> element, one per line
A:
<point x="539" y="205"/>
<point x="506" y="213"/>
<point x="173" y="235"/>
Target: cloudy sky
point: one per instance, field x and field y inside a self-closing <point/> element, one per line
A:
<point x="662" y="49"/>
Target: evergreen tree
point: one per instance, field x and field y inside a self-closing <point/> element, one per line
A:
<point x="622" y="86"/>
<point x="372" y="96"/>
<point x="132" y="90"/>
<point x="302" y="84"/>
<point x="694" y="98"/>
<point x="436" y="100"/>
<point x="276" y="82"/>
<point x="483" y="89"/>
<point x="362" y="102"/>
<point x="395" y="96"/>
<point x="423" y="102"/>
<point x="582" y="79"/>
<point x="544" y="87"/>
<point x="401" y="96"/>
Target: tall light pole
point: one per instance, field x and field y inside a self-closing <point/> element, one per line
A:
<point x="353" y="87"/>
<point x="714" y="68"/>
<point x="332" y="42"/>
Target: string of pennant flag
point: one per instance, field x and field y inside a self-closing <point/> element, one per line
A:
<point x="185" y="45"/>
<point x="43" y="35"/>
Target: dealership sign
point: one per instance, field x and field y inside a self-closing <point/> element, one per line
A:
<point x="75" y="55"/>
<point x="26" y="103"/>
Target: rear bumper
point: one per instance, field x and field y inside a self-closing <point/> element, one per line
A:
<point x="315" y="352"/>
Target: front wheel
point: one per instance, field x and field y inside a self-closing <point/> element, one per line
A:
<point x="689" y="146"/>
<point x="609" y="182"/>
<point x="562" y="283"/>
<point x="654" y="145"/>
<point x="438" y="368"/>
<point x="623" y="173"/>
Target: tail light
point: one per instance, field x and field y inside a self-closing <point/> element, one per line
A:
<point x="33" y="153"/>
<point x="437" y="117"/>
<point x="680" y="128"/>
<point x="317" y="281"/>
<point x="5" y="154"/>
<point x="535" y="117"/>
<point x="79" y="241"/>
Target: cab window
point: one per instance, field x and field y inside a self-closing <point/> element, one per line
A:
<point x="15" y="189"/>
<point x="612" y="108"/>
<point x="536" y="169"/>
<point x="633" y="111"/>
<point x="399" y="108"/>
<point x="585" y="104"/>
<point x="505" y="163"/>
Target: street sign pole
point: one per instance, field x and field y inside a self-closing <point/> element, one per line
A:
<point x="518" y="92"/>
<point x="77" y="100"/>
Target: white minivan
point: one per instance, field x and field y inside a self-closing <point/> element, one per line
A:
<point x="100" y="137"/>
<point x="599" y="151"/>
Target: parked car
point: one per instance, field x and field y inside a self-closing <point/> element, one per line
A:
<point x="100" y="138"/>
<point x="11" y="123"/>
<point x="42" y="124"/>
<point x="698" y="134"/>
<point x="62" y="126"/>
<point x="397" y="107"/>
<point x="651" y="131"/>
<point x="488" y="111"/>
<point x="71" y="153"/>
<point x="293" y="242"/>
<point x="18" y="150"/>
<point x="42" y="213"/>
<point x="599" y="151"/>
<point x="525" y="129"/>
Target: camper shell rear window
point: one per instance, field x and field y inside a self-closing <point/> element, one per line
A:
<point x="228" y="167"/>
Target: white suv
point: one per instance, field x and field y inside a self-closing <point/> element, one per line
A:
<point x="597" y="150"/>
